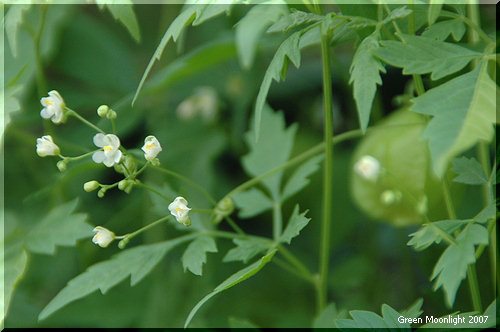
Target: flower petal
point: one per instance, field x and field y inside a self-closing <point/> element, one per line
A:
<point x="113" y="140"/>
<point x="118" y="156"/>
<point x="98" y="156"/>
<point x="100" y="140"/>
<point x="45" y="113"/>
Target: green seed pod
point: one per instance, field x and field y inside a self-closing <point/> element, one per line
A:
<point x="90" y="186"/>
<point x="101" y="193"/>
<point x="111" y="115"/>
<point x="392" y="178"/>
<point x="122" y="184"/>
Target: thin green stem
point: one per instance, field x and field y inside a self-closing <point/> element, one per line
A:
<point x="234" y="226"/>
<point x="206" y="211"/>
<point x="128" y="237"/>
<point x="113" y="126"/>
<point x="230" y="235"/>
<point x="473" y="14"/>
<point x="328" y="173"/>
<point x="411" y="18"/>
<point x="188" y="181"/>
<point x="277" y="221"/>
<point x="296" y="263"/>
<point x="77" y="157"/>
<point x="71" y="112"/>
<point x="474" y="288"/>
<point x="40" y="75"/>
<point x="140" y="184"/>
<point x="288" y="267"/>
<point x="448" y="201"/>
<point x="142" y="168"/>
<point x="309" y="6"/>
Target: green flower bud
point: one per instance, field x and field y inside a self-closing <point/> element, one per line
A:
<point x="103" y="110"/>
<point x="91" y="186"/>
<point x="61" y="165"/>
<point x="111" y="115"/>
<point x="129" y="187"/>
<point x="129" y="165"/>
<point x="223" y="209"/>
<point x="101" y="193"/>
<point x="155" y="162"/>
<point x="122" y="184"/>
<point x="123" y="243"/>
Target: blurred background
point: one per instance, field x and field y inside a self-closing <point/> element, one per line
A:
<point x="91" y="59"/>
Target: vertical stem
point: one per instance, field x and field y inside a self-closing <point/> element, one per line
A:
<point x="474" y="288"/>
<point x="328" y="172"/>
<point x="277" y="220"/>
<point x="40" y="76"/>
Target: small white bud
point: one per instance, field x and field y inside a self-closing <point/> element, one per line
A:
<point x="103" y="236"/>
<point x="178" y="208"/>
<point x="102" y="111"/>
<point x="90" y="186"/>
<point x="45" y="146"/>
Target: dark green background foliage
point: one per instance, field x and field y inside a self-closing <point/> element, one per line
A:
<point x="91" y="59"/>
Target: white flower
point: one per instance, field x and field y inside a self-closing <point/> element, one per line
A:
<point x="110" y="153"/>
<point x="53" y="107"/>
<point x="368" y="167"/>
<point x="204" y="101"/>
<point x="151" y="148"/>
<point x="178" y="208"/>
<point x="45" y="146"/>
<point x="103" y="236"/>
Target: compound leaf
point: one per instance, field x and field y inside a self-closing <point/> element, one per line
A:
<point x="195" y="254"/>
<point x="136" y="262"/>
<point x="451" y="267"/>
<point x="421" y="55"/>
<point x="365" y="75"/>
<point x="233" y="280"/>
<point x="61" y="227"/>
<point x="463" y="111"/>
<point x="295" y="19"/>
<point x="13" y="20"/>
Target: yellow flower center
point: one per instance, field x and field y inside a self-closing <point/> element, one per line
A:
<point x="178" y="209"/>
<point x="107" y="148"/>
<point x="149" y="146"/>
<point x="49" y="102"/>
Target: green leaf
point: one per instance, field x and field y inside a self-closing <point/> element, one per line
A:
<point x="299" y="179"/>
<point x="13" y="20"/>
<point x="415" y="309"/>
<point x="15" y="261"/>
<point x="173" y="32"/>
<point x="245" y="250"/>
<point x="10" y="102"/>
<point x="271" y="150"/>
<point x="443" y="29"/>
<point x="136" y="262"/>
<point x="233" y="280"/>
<point x="434" y="11"/>
<point x="433" y="232"/>
<point x="463" y="111"/>
<point x="195" y="254"/>
<point x="288" y="51"/>
<point x="251" y="203"/>
<point x="123" y="12"/>
<point x="296" y="223"/>
<point x="420" y="55"/>
<point x="451" y="268"/>
<point x="295" y="19"/>
<point x="400" y="12"/>
<point x="489" y="212"/>
<point x="365" y="74"/>
<point x="469" y="171"/>
<point x="252" y="26"/>
<point x="328" y="317"/>
<point x="212" y="9"/>
<point x="369" y="320"/>
<point x="61" y="227"/>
